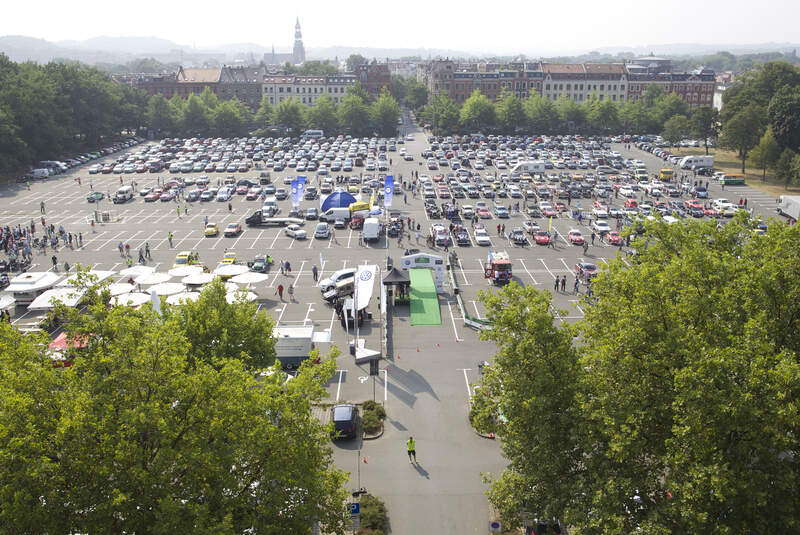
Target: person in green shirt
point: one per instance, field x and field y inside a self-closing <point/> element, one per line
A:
<point x="412" y="451"/>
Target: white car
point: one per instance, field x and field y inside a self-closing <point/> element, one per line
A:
<point x="294" y="231"/>
<point x="627" y="192"/>
<point x="329" y="282"/>
<point x="601" y="227"/>
<point x="599" y="212"/>
<point x="482" y="237"/>
<point x="323" y="231"/>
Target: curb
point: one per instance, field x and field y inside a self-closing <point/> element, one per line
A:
<point x="365" y="436"/>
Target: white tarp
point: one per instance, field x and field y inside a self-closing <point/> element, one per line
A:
<point x="67" y="295"/>
<point x="101" y="276"/>
<point x="365" y="283"/>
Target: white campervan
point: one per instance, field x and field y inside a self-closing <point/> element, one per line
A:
<point x="123" y="194"/>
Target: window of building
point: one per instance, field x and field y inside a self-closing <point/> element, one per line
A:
<point x="613" y="97"/>
<point x="569" y="87"/>
<point x="547" y="87"/>
<point x="602" y="87"/>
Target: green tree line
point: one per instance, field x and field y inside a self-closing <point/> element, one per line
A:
<point x="672" y="406"/>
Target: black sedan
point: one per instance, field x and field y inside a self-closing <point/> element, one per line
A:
<point x="462" y="237"/>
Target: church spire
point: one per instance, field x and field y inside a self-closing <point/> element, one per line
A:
<point x="299" y="51"/>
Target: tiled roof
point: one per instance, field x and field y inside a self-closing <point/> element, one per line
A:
<point x="199" y="75"/>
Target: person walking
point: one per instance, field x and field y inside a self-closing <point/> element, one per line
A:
<point x="291" y="293"/>
<point x="41" y="205"/>
<point x="120" y="247"/>
<point x="563" y="283"/>
<point x="205" y="221"/>
<point x="575" y="285"/>
<point x="314" y="273"/>
<point x="185" y="209"/>
<point x="288" y="268"/>
<point x="593" y="238"/>
<point x="283" y="267"/>
<point x="129" y="261"/>
<point x="279" y="291"/>
<point x="54" y="259"/>
<point x="169" y="238"/>
<point x="230" y="207"/>
<point x="147" y="250"/>
<point x="558" y="281"/>
<point x="411" y="445"/>
<point x="80" y="239"/>
<point x="178" y="209"/>
<point x="585" y="248"/>
<point x="141" y="256"/>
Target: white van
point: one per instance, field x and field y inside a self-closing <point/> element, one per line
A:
<point x="532" y="166"/>
<point x="42" y="172"/>
<point x="372" y="229"/>
<point x="123" y="194"/>
<point x="332" y="214"/>
<point x="270" y="205"/>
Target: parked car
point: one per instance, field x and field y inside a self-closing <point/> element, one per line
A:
<point x="345" y="420"/>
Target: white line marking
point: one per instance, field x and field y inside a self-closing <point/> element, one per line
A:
<point x="453" y="319"/>
<point x="339" y="385"/>
<point x="466" y="380"/>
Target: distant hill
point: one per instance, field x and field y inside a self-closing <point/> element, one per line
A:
<point x="123" y="45"/>
<point x="342" y="52"/>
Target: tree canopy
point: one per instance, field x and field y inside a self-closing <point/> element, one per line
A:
<point x="669" y="408"/>
<point x="139" y="437"/>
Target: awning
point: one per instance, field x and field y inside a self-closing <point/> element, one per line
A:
<point x="396" y="276"/>
<point x="47" y="300"/>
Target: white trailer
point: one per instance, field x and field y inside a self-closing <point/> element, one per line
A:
<point x="696" y="162"/>
<point x="789" y="205"/>
<point x="293" y="344"/>
<point x="531" y="166"/>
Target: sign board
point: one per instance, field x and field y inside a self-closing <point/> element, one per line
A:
<point x="354" y="508"/>
<point x="373" y="370"/>
<point x="495" y="527"/>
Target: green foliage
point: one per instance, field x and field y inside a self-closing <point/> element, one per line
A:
<point x="670" y="407"/>
<point x="358" y="90"/>
<point x="372" y="406"/>
<point x="540" y="113"/>
<point x="705" y="124"/>
<point x="135" y="438"/>
<point x="675" y="129"/>
<point x="373" y="515"/>
<point x="510" y="112"/>
<point x="372" y="416"/>
<point x="354" y="114"/>
<point x="603" y="115"/>
<point x="417" y="95"/>
<point x="786" y="168"/>
<point x="477" y="111"/>
<point x="766" y="153"/>
<point x="354" y="60"/>
<point x="442" y="113"/>
<point x="322" y="115"/>
<point x="289" y="113"/>
<point x="743" y="131"/>
<point x="570" y="113"/>
<point x="784" y="116"/>
<point x="385" y="112"/>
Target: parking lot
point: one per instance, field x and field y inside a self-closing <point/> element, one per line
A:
<point x="426" y="374"/>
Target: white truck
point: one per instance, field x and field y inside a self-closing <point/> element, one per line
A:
<point x="789" y="205"/>
<point x="372" y="229"/>
<point x="696" y="162"/>
<point x="292" y="345"/>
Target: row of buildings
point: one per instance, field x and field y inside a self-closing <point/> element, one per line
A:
<point x="618" y="82"/>
<point x="250" y="84"/>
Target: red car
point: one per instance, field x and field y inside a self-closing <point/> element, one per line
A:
<point x="233" y="229"/>
<point x="357" y="222"/>
<point x="631" y="203"/>
<point x="613" y="238"/>
<point x="153" y="196"/>
<point x="693" y="204"/>
<point x="710" y="212"/>
<point x="242" y="190"/>
<point x="575" y="237"/>
<point x="549" y="211"/>
<point x="586" y="270"/>
<point x="253" y="193"/>
<point x="483" y="213"/>
<point x="541" y="237"/>
<point x="560" y="207"/>
<point x="167" y="196"/>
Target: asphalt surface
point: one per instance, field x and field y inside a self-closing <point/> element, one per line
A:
<point x="425" y="376"/>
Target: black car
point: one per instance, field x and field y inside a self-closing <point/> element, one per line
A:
<point x="345" y="420"/>
<point x="462" y="237"/>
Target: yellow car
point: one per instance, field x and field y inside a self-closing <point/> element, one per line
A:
<point x="229" y="258"/>
<point x="186" y="258"/>
<point x="212" y="230"/>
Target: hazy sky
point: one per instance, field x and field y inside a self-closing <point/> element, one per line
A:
<point x="475" y="26"/>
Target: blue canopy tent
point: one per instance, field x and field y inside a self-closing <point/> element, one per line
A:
<point x="337" y="199"/>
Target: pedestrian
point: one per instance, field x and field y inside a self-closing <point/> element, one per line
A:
<point x="91" y="185"/>
<point x="179" y="211"/>
<point x="411" y="445"/>
<point x="147" y="250"/>
<point x="745" y="202"/>
<point x="205" y="221"/>
<point x="41" y="206"/>
<point x="127" y="249"/>
<point x="314" y="273"/>
<point x="288" y="268"/>
<point x="66" y="267"/>
<point x="291" y="293"/>
<point x="585" y="247"/>
<point x="417" y="236"/>
<point x="185" y="209"/>
<point x="230" y="207"/>
<point x="360" y="238"/>
<point x="563" y="283"/>
<point x="55" y="262"/>
<point x="120" y="247"/>
<point x="333" y="236"/>
<point x="141" y="256"/>
<point x="593" y="238"/>
<point x="169" y="238"/>
<point x="129" y="261"/>
<point x="80" y="239"/>
<point x="405" y="198"/>
<point x="283" y="267"/>
<point x="575" y="285"/>
<point x="558" y="281"/>
<point x="498" y="229"/>
<point x="279" y="291"/>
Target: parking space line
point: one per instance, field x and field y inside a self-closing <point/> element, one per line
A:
<point x="349" y="237"/>
<point x="567" y="265"/>
<point x="577" y="306"/>
<point x="272" y="245"/>
<point x="339" y="385"/>
<point x="280" y="316"/>
<point x="299" y="272"/>
<point x="528" y="272"/>
<point x="466" y="381"/>
<point x="547" y="268"/>
<point x="461" y="267"/>
<point x="477" y="313"/>
<point x="308" y="313"/>
<point x="261" y="233"/>
<point x="237" y="240"/>
<point x="453" y="320"/>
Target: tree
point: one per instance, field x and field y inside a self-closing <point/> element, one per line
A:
<point x="786" y="168"/>
<point x="676" y="128"/>
<point x="540" y="113"/>
<point x="322" y="115"/>
<point x="289" y="113"/>
<point x="635" y="117"/>
<point x="195" y="117"/>
<point x="317" y="68"/>
<point x="354" y="60"/>
<point x="766" y="153"/>
<point x="743" y="131"/>
<point x="681" y="357"/>
<point x="354" y="114"/>
<point x="669" y="106"/>
<point x="210" y="99"/>
<point x="358" y="90"/>
<point x="227" y="117"/>
<point x="135" y="439"/>
<point x="442" y="113"/>
<point x="570" y="113"/>
<point x="477" y="112"/>
<point x="652" y="94"/>
<point x="705" y="124"/>
<point x="384" y="113"/>
<point x="784" y="116"/>
<point x="264" y="113"/>
<point x="160" y="114"/>
<point x="603" y="115"/>
<point x="510" y="112"/>
<point x="417" y="95"/>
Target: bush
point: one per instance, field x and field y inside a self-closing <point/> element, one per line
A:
<point x="373" y="416"/>
<point x="373" y="516"/>
<point x="377" y="408"/>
